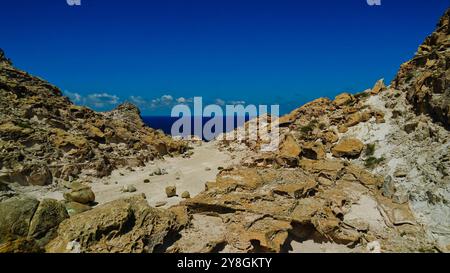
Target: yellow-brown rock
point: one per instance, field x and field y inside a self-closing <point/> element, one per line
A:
<point x="350" y="147"/>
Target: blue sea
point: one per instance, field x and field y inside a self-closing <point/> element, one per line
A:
<point x="165" y="123"/>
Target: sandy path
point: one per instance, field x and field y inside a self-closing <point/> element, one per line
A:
<point x="193" y="173"/>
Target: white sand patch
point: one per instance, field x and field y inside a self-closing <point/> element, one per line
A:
<point x="366" y="211"/>
<point x="192" y="174"/>
<point x="310" y="246"/>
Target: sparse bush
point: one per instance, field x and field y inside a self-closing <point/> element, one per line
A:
<point x="23" y="124"/>
<point x="409" y="77"/>
<point x="309" y="128"/>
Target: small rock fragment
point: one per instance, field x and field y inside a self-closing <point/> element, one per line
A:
<point x="186" y="195"/>
<point x="171" y="191"/>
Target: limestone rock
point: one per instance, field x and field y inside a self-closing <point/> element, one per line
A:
<point x="24" y="219"/>
<point x="80" y="193"/>
<point x="289" y="147"/>
<point x="314" y="151"/>
<point x="171" y="191"/>
<point x="48" y="215"/>
<point x="425" y="78"/>
<point x="123" y="226"/>
<point x="343" y="99"/>
<point x="379" y="86"/>
<point x="348" y="148"/>
<point x="15" y="217"/>
<point x="186" y="195"/>
<point x="74" y="208"/>
<point x="50" y="138"/>
<point x="129" y="188"/>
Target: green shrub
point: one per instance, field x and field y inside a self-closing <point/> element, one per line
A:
<point x="309" y="128"/>
<point x="372" y="161"/>
<point x="370" y="149"/>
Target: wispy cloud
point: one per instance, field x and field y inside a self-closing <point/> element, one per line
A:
<point x="101" y="100"/>
<point x="106" y="101"/>
<point x="96" y="100"/>
<point x="74" y="97"/>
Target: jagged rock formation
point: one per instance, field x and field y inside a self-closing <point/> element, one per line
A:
<point x="43" y="136"/>
<point x="426" y="78"/>
<point x="382" y="131"/>
<point x="264" y="209"/>
<point x="122" y="226"/>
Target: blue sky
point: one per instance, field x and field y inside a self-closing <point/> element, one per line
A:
<point x="258" y="51"/>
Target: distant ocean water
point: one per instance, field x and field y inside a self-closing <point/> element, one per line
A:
<point x="165" y="123"/>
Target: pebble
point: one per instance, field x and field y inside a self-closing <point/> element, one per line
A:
<point x="129" y="188"/>
<point x="171" y="191"/>
<point x="160" y="204"/>
<point x="186" y="195"/>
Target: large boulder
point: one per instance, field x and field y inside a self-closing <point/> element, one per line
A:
<point x="125" y="225"/>
<point x="15" y="217"/>
<point x="343" y="99"/>
<point x="38" y="175"/>
<point x="80" y="193"/>
<point x="46" y="219"/>
<point x="349" y="147"/>
<point x="26" y="221"/>
<point x="289" y="147"/>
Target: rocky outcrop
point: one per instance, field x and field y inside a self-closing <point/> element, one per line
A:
<point x="122" y="226"/>
<point x="426" y="78"/>
<point x="263" y="210"/>
<point x="44" y="137"/>
<point x="348" y="148"/>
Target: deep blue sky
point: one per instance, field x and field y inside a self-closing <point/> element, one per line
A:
<point x="258" y="51"/>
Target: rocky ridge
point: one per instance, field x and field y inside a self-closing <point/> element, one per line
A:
<point x="45" y="138"/>
<point x="426" y="78"/>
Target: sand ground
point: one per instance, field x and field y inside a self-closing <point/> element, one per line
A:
<point x="187" y="174"/>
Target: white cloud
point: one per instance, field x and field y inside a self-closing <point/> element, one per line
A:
<point x="236" y="102"/>
<point x="96" y="100"/>
<point x="75" y="97"/>
<point x="101" y="100"/>
<point x="166" y="99"/>
<point x="222" y="102"/>
<point x="138" y="100"/>
<point x="105" y="101"/>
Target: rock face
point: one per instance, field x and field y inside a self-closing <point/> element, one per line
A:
<point x="426" y="77"/>
<point x="122" y="226"/>
<point x="263" y="209"/>
<point x="43" y="136"/>
<point x="25" y="220"/>
<point x="348" y="148"/>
